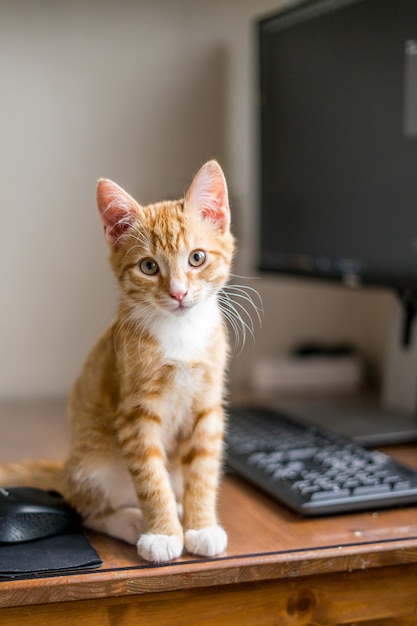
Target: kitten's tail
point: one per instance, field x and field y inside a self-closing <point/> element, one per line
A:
<point x="40" y="474"/>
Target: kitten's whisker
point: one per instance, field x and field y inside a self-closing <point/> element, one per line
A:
<point x="231" y="302"/>
<point x="245" y="288"/>
<point x="244" y="278"/>
<point x="239" y="292"/>
<point x="234" y="325"/>
<point x="239" y="305"/>
<point x="235" y="305"/>
<point x="240" y="328"/>
<point x="234" y="317"/>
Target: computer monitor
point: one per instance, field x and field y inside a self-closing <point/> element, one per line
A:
<point x="338" y="155"/>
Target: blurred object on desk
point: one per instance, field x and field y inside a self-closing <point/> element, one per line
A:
<point x="311" y="368"/>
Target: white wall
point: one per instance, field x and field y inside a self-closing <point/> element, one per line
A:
<point x="141" y="92"/>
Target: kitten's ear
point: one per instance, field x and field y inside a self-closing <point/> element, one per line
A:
<point x="208" y="195"/>
<point x="117" y="210"/>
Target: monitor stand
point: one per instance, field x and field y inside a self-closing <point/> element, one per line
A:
<point x="393" y="418"/>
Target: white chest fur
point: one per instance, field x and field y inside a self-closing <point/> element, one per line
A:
<point x="185" y="337"/>
<point x="184" y="341"/>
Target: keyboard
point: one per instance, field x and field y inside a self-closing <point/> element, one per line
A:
<point x="311" y="469"/>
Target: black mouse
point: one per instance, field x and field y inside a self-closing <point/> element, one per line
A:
<point x="27" y="513"/>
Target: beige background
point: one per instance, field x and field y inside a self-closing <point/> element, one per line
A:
<point x="142" y="92"/>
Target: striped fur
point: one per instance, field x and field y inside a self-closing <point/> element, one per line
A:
<point x="146" y="412"/>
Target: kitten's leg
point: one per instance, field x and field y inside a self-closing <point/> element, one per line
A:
<point x="139" y="436"/>
<point x="201" y="466"/>
<point x="103" y="491"/>
<point x="115" y="483"/>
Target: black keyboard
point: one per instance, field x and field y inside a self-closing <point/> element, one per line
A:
<point x="313" y="470"/>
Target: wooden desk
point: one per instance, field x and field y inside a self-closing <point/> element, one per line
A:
<point x="279" y="569"/>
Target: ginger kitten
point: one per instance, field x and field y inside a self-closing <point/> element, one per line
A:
<point x="146" y="413"/>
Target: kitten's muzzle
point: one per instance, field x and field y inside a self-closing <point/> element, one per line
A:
<point x="178" y="293"/>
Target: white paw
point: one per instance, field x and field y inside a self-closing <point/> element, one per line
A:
<point x="206" y="541"/>
<point x="159" y="548"/>
<point x="125" y="524"/>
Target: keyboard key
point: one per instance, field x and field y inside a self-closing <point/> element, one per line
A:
<point x="332" y="494"/>
<point x="302" y="453"/>
<point x="370" y="490"/>
<point x="402" y="485"/>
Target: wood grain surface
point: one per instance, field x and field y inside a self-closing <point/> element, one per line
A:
<point x="279" y="569"/>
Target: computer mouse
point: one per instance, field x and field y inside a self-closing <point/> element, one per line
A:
<point x="27" y="513"/>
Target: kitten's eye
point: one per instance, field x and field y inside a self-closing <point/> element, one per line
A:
<point x="197" y="258"/>
<point x="149" y="266"/>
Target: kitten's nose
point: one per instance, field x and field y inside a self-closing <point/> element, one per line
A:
<point x="178" y="293"/>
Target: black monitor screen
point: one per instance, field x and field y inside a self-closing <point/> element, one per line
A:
<point x="338" y="141"/>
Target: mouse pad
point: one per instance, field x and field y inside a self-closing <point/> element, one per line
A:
<point x="69" y="551"/>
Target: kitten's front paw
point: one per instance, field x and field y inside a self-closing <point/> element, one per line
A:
<point x="206" y="541"/>
<point x="159" y="548"/>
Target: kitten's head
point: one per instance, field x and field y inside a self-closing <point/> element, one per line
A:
<point x="170" y="256"/>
